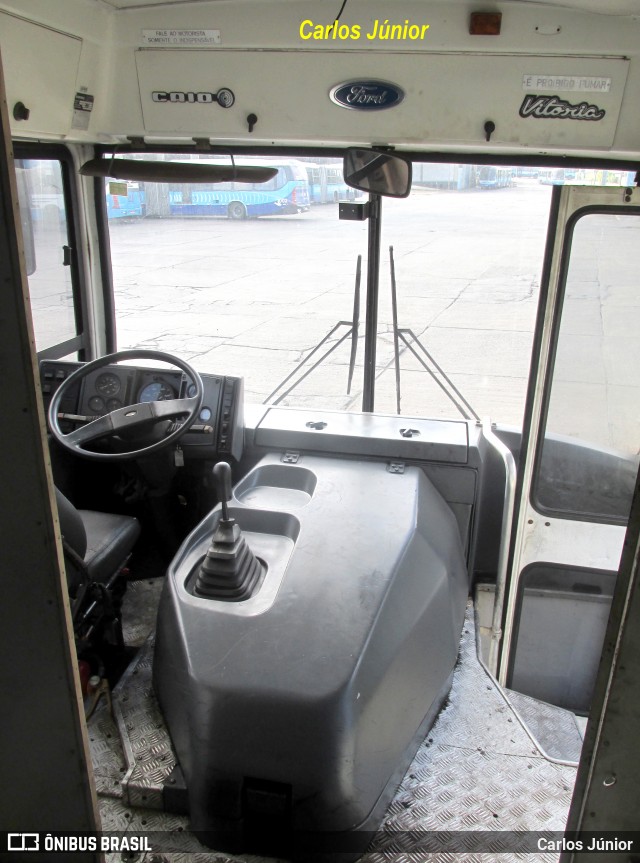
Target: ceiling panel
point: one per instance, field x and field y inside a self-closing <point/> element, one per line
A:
<point x="604" y="7"/>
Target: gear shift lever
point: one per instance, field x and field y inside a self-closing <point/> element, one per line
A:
<point x="230" y="570"/>
<point x="227" y="529"/>
<point x="222" y="477"/>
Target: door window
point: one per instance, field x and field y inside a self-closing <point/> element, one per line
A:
<point x="589" y="454"/>
<point x="49" y="256"/>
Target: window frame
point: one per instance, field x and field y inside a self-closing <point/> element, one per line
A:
<point x="565" y="263"/>
<point x="80" y="343"/>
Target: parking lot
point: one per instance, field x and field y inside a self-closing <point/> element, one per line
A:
<point x="253" y="298"/>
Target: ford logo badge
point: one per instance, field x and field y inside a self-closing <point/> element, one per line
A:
<point x="366" y="95"/>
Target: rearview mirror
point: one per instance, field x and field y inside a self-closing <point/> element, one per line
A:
<point x="380" y="173"/>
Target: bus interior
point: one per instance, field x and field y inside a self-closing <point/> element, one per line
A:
<point x="320" y="474"/>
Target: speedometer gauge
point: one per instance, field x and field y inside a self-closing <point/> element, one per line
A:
<point x="156" y="391"/>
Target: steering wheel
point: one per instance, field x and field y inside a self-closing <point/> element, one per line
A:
<point x="130" y="417"/>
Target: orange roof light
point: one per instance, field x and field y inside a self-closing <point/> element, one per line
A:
<point x="485" y="23"/>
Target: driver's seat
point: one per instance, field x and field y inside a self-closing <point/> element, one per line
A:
<point x="97" y="544"/>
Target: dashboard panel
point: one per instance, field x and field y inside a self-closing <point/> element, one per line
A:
<point x="218" y="430"/>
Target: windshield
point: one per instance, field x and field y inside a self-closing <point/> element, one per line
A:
<point x="265" y="281"/>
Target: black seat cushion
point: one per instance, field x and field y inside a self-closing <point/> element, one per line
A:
<point x="110" y="539"/>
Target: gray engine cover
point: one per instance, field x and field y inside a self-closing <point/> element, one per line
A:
<point x="324" y="680"/>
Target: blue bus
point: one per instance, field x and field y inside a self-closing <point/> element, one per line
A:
<point x="124" y="199"/>
<point x="326" y="183"/>
<point x="494" y="177"/>
<point x="287" y="193"/>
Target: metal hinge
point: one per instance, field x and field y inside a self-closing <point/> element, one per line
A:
<point x="290" y="457"/>
<point x="395" y="467"/>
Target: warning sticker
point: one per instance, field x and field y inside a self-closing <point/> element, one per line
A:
<point x="171" y="38"/>
<point x="82" y="108"/>
<point x="566" y="83"/>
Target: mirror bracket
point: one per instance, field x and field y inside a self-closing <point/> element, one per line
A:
<point x="354" y="212"/>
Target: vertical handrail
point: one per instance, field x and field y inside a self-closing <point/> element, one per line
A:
<point x="394" y="312"/>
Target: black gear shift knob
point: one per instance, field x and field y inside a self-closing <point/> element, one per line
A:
<point x="222" y="478"/>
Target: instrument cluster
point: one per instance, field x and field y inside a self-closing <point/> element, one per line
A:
<point x="109" y="390"/>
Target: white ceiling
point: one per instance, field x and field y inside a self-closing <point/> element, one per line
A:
<point x="138" y="4"/>
<point x="603" y="7"/>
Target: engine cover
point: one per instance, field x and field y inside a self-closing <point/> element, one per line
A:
<point x="301" y="706"/>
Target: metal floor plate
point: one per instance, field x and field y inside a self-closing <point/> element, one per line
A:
<point x="554" y="729"/>
<point x="477" y="770"/>
<point x="139" y="610"/>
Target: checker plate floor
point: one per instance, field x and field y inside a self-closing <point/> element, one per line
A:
<point x="477" y="770"/>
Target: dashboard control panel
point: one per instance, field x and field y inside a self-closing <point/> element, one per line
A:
<point x="217" y="433"/>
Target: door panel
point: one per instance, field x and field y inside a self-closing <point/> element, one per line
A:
<point x="580" y="461"/>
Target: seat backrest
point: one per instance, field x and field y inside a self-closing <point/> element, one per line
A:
<point x="71" y="525"/>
